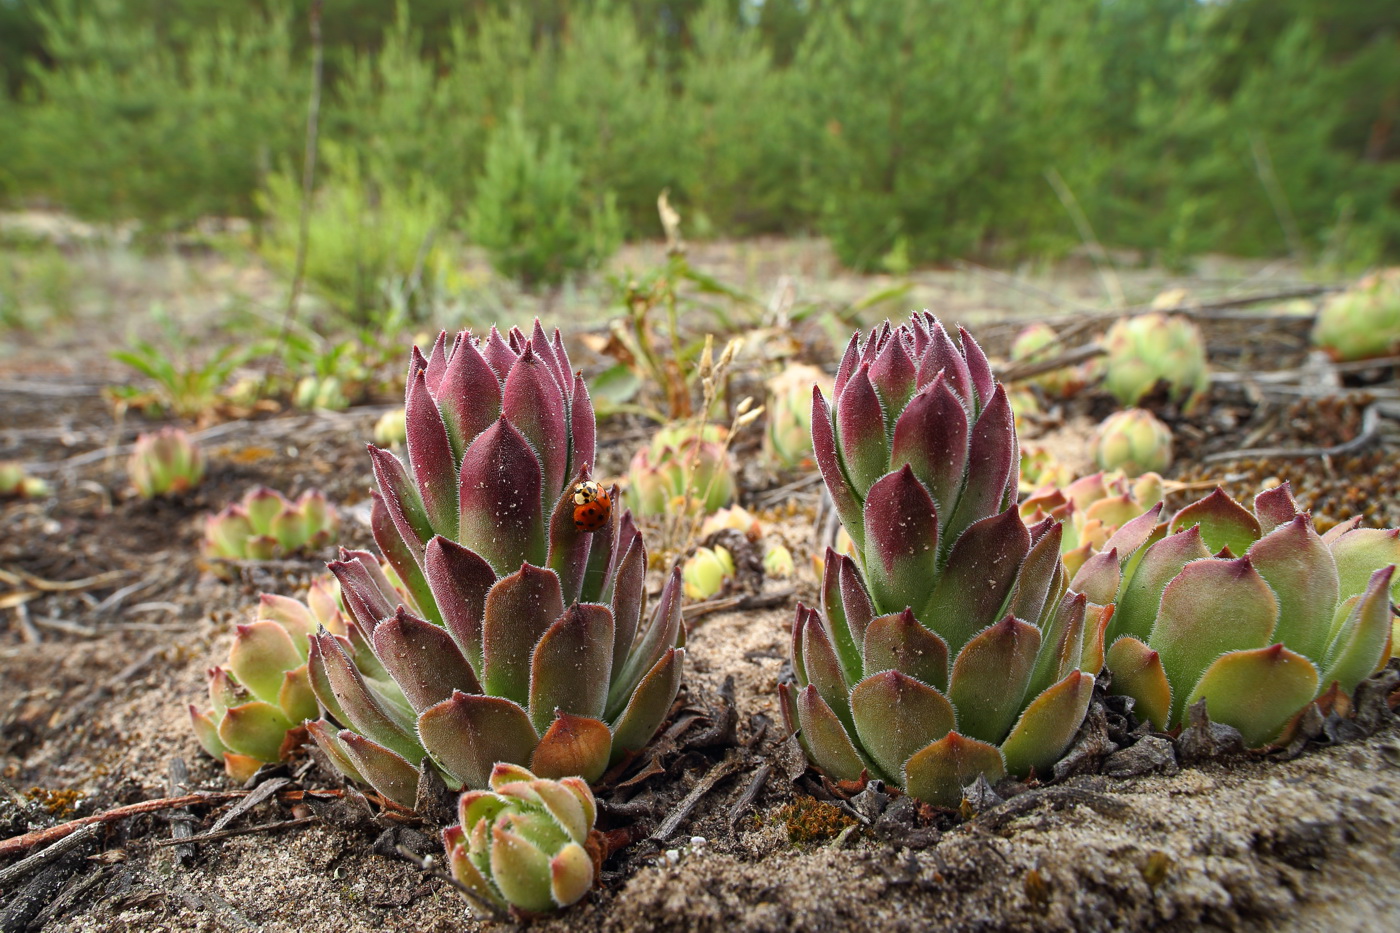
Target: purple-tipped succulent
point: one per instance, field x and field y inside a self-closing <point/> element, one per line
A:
<point x="519" y="635"/>
<point x="166" y="463"/>
<point x="263" y="694"/>
<point x="527" y="844"/>
<point x="265" y="524"/>
<point x="948" y="646"/>
<point x="1250" y="610"/>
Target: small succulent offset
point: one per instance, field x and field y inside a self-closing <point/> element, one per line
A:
<point x="706" y="571"/>
<point x="390" y="430"/>
<point x="265" y="525"/>
<point x="519" y="634"/>
<point x="684" y="468"/>
<point x="527" y="843"/>
<point x="263" y="695"/>
<point x="1152" y="348"/>
<point x="1038" y="343"/>
<point x="948" y="647"/>
<point x="787" y="441"/>
<point x="14" y="484"/>
<point x="1134" y="442"/>
<point x="1250" y="610"/>
<point x="166" y="463"/>
<point x="1362" y="322"/>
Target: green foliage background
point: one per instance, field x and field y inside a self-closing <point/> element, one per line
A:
<point x="904" y="130"/>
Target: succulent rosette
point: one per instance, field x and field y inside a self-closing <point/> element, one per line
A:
<point x="1038" y="343"/>
<point x="527" y="843"/>
<point x="1250" y="610"/>
<point x="260" y="698"/>
<point x="1092" y="509"/>
<point x="1150" y="348"/>
<point x="266" y="524"/>
<point x="165" y="463"/>
<point x="684" y="467"/>
<point x="516" y="635"/>
<point x="787" y="440"/>
<point x="948" y="646"/>
<point x="1134" y="441"/>
<point x="16" y="484"/>
<point x="1362" y="322"/>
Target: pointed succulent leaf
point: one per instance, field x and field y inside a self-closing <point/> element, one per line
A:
<point x="1274" y="507"/>
<point x="469" y="395"/>
<point x="255" y="729"/>
<point x="519" y="609"/>
<point x="533" y="401"/>
<point x="1048" y="725"/>
<point x="364" y="710"/>
<point x="938" y="772"/>
<point x="327" y="738"/>
<point x="295" y="698"/>
<point x="367" y="601"/>
<point x="823" y="669"/>
<point x="262" y="654"/>
<point x="1132" y="535"/>
<point x="1359" y="646"/>
<point x="978" y="367"/>
<point x="502" y="512"/>
<point x="977" y="580"/>
<point x="896" y="715"/>
<point x="942" y="355"/>
<point x="521" y="870"/>
<point x="825" y="740"/>
<point x="403" y="557"/>
<point x="850" y="359"/>
<point x="989" y="678"/>
<point x="568" y="543"/>
<point x="262" y="507"/>
<point x="460" y="581"/>
<point x="663" y="632"/>
<point x="572" y="665"/>
<point x="1138" y="673"/>
<point x="381" y="768"/>
<point x="1141" y="594"/>
<point x="1099" y="578"/>
<point x="423" y="660"/>
<point x="855" y="605"/>
<point x="430" y="457"/>
<point x="843" y="493"/>
<point x="649" y="704"/>
<point x="293" y="615"/>
<point x="860" y="432"/>
<point x="573" y="745"/>
<point x="207" y="731"/>
<point x="931" y="437"/>
<point x="1061" y="642"/>
<point x="570" y="874"/>
<point x="1297" y="564"/>
<point x="901" y="541"/>
<point x="1257" y="691"/>
<point x="499" y="355"/>
<point x="898" y="642"/>
<point x="1042" y="575"/>
<point x="467" y="733"/>
<point x="1363" y="551"/>
<point x="1224" y="523"/>
<point x="1211" y="607"/>
<point x="892" y="374"/>
<point x="1336" y="531"/>
<point x="992" y="466"/>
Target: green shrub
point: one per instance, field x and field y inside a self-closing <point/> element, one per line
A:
<point x="532" y="213"/>
<point x="123" y="125"/>
<point x="369" y="228"/>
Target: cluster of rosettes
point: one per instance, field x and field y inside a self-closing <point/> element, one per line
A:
<point x="266" y="524"/>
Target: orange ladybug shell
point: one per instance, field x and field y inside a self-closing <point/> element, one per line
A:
<point x="592" y="506"/>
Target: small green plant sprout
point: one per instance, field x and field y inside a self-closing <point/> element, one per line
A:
<point x="165" y="463"/>
<point x="526" y="845"/>
<point x="1251" y="611"/>
<point x="706" y="571"/>
<point x="1362" y="322"/>
<point x="266" y="525"/>
<point x="1133" y="442"/>
<point x="948" y="646"/>
<point x="1091" y="509"/>
<point x="1153" y="348"/>
<point x="391" y="430"/>
<point x="262" y="695"/>
<point x="1039" y="343"/>
<point x="16" y="484"/>
<point x="518" y="633"/>
<point x="184" y="387"/>
<point x="787" y="440"/>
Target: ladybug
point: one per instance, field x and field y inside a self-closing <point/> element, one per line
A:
<point x="592" y="506"/>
